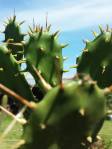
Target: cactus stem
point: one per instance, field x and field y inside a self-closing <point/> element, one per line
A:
<point x="16" y="96"/>
<point x="46" y="86"/>
<point x="101" y="29"/>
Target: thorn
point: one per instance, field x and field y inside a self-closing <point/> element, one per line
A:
<point x="64" y="71"/>
<point x="65" y="58"/>
<point x="85" y="50"/>
<point x="40" y="32"/>
<point x="43" y="126"/>
<point x="41" y="29"/>
<point x="21" y="22"/>
<point x="14" y="14"/>
<point x="98" y="138"/>
<point x="101" y="29"/>
<point x="48" y="28"/>
<point x="95" y="34"/>
<point x="57" y="57"/>
<point x="64" y="45"/>
<point x="16" y="96"/>
<point x="104" y="67"/>
<point x="75" y="66"/>
<point x="15" y="44"/>
<point x="56" y="33"/>
<point x="107" y="28"/>
<point x="46" y="20"/>
<point x="86" y="41"/>
<point x="21" y="61"/>
<point x="82" y="111"/>
<point x="5" y="22"/>
<point x="20" y="52"/>
<point x="31" y="30"/>
<point x="10" y="40"/>
<point x="46" y="86"/>
<point x="1" y="69"/>
<point x="89" y="139"/>
<point x="33" y="24"/>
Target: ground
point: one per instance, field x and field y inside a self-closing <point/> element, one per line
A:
<point x="13" y="137"/>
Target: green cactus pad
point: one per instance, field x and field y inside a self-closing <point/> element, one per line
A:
<point x="10" y="74"/>
<point x="43" y="51"/>
<point x="66" y="117"/>
<point x="14" y="37"/>
<point x="96" y="59"/>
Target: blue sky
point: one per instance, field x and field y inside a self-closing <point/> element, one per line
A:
<point x="76" y="19"/>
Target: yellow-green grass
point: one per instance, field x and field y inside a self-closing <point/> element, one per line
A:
<point x="15" y="134"/>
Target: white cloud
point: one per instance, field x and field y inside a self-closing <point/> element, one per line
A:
<point x="72" y="16"/>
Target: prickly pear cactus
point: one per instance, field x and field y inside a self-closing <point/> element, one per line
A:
<point x="11" y="75"/>
<point x="14" y="37"/>
<point x="96" y="58"/>
<point x="69" y="116"/>
<point x="45" y="53"/>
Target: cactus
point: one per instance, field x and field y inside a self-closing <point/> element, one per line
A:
<point x="66" y="117"/>
<point x="11" y="75"/>
<point x="14" y="37"/>
<point x="96" y="58"/>
<point x="45" y="54"/>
